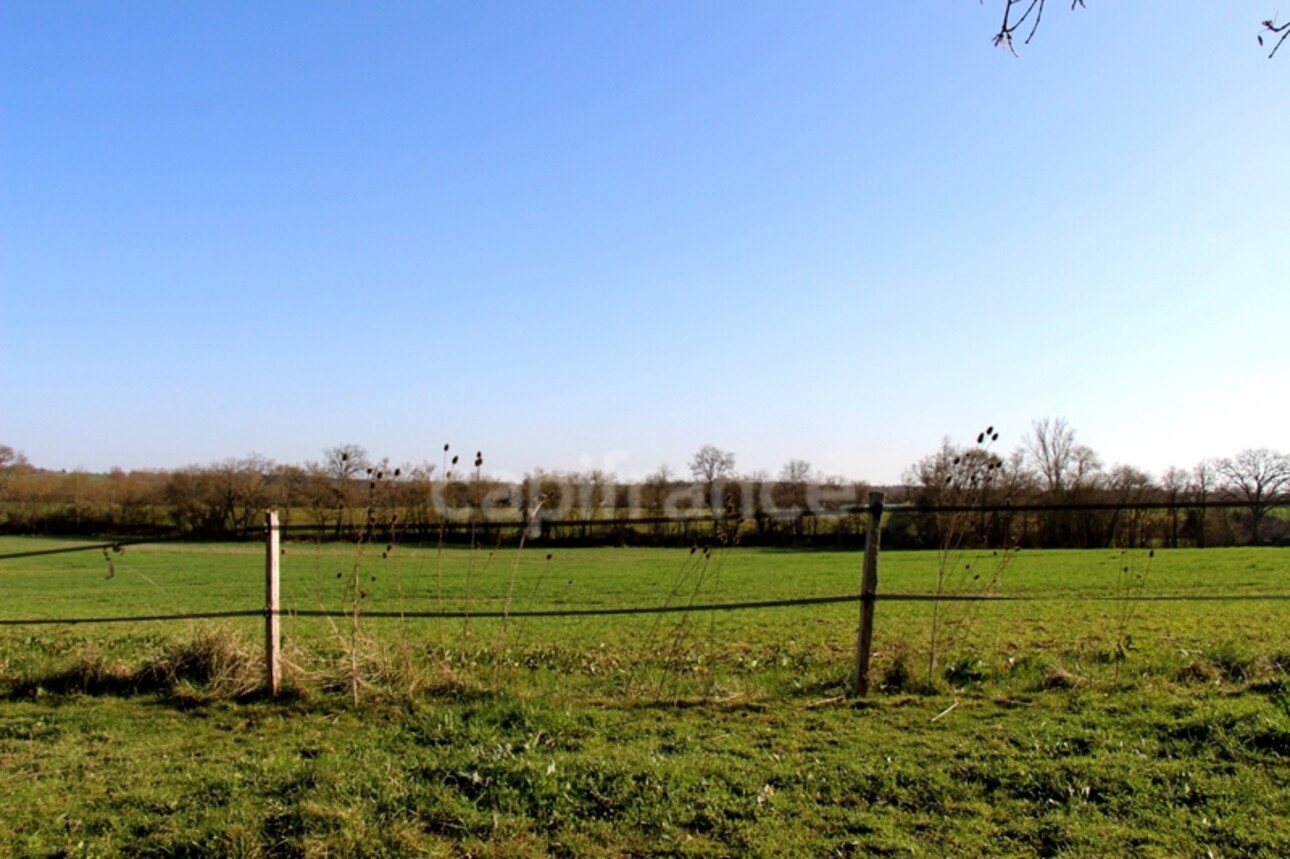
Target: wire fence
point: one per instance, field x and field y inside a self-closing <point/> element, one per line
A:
<point x="272" y="611"/>
<point x="117" y="545"/>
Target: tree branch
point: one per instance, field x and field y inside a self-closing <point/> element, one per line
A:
<point x="1283" y="30"/>
<point x="1010" y="25"/>
<point x="1028" y="8"/>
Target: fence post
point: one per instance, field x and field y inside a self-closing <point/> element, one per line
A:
<point x="868" y="593"/>
<point x="272" y="627"/>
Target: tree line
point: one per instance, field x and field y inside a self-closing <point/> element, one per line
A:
<point x="1050" y="491"/>
<point x="1090" y="505"/>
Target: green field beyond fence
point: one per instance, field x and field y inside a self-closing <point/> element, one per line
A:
<point x="1078" y="606"/>
<point x="1116" y="703"/>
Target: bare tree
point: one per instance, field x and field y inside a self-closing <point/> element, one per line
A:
<point x="1204" y="476"/>
<point x="593" y="492"/>
<point x="10" y="458"/>
<point x="345" y="461"/>
<point x="1176" y="482"/>
<point x="795" y="471"/>
<point x="1130" y="487"/>
<point x="341" y="464"/>
<point x="1258" y="477"/>
<point x="1051" y="443"/>
<point x="711" y="466"/>
<point x="1068" y="473"/>
<point x="790" y="492"/>
<point x="241" y="490"/>
<point x="12" y="463"/>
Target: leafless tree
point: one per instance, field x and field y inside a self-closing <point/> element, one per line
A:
<point x="10" y="458"/>
<point x="790" y="492"/>
<point x="1131" y="487"/>
<point x="345" y="461"/>
<point x="795" y="471"/>
<point x="711" y="466"/>
<point x="12" y="462"/>
<point x="1204" y="477"/>
<point x="1051" y="443"/>
<point x="1260" y="477"/>
<point x="1176" y="483"/>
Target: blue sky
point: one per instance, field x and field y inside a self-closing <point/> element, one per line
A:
<point x="603" y="234"/>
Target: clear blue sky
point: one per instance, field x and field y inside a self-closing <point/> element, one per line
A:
<point x="602" y="234"/>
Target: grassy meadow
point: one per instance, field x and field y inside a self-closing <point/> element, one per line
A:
<point x="1075" y="722"/>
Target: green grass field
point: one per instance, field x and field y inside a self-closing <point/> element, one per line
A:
<point x="1074" y="723"/>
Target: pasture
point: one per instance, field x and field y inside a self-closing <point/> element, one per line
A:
<point x="1074" y="722"/>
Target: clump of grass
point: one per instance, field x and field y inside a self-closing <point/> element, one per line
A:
<point x="214" y="664"/>
<point x="967" y="670"/>
<point x="89" y="672"/>
<point x="1234" y="663"/>
<point x="1060" y="677"/>
<point x="901" y="675"/>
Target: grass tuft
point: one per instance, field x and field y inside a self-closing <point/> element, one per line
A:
<point x="214" y="664"/>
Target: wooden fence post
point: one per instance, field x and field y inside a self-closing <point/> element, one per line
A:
<point x="272" y="627"/>
<point x="868" y="593"/>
